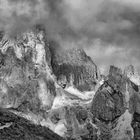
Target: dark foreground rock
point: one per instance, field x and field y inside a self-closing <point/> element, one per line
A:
<point x="13" y="127"/>
<point x="136" y="126"/>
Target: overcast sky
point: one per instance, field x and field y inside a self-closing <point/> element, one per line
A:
<point x="109" y="30"/>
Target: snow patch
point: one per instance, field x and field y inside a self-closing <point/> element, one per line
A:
<point x="135" y="79"/>
<point x="71" y="96"/>
<point x="60" y="129"/>
<point x="82" y="95"/>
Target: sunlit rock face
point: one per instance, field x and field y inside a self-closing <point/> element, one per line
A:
<point x="131" y="72"/>
<point x="26" y="78"/>
<point x="74" y="67"/>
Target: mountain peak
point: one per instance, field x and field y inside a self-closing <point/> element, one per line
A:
<point x="76" y="68"/>
<point x="114" y="70"/>
<point x="75" y="56"/>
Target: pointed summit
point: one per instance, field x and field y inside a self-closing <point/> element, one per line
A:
<point x="76" y="68"/>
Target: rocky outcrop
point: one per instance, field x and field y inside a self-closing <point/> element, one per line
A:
<point x="73" y="122"/>
<point x="134" y="77"/>
<point x="108" y="102"/>
<point x="136" y="126"/>
<point x="74" y="67"/>
<point x="131" y="72"/>
<point x="13" y="127"/>
<point x="111" y="115"/>
<point x="114" y="104"/>
<point x="26" y="79"/>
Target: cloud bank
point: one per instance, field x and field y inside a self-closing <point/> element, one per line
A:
<point x="109" y="30"/>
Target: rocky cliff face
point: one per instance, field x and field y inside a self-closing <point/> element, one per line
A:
<point x="113" y="113"/>
<point x="61" y="90"/>
<point x="132" y="74"/>
<point x="26" y="78"/>
<point x="115" y="104"/>
<point x="74" y="67"/>
<point x="32" y="79"/>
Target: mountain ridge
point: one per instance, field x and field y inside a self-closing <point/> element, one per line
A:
<point x="64" y="91"/>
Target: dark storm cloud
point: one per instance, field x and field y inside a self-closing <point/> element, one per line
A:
<point x="80" y="23"/>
